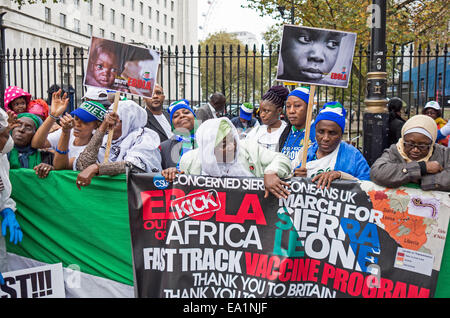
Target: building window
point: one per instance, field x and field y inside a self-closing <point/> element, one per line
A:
<point x="102" y="12"/>
<point x="62" y="20"/>
<point x="149" y="32"/>
<point x="132" y="24"/>
<point x="172" y="5"/>
<point x="157" y="16"/>
<point x="102" y="33"/>
<point x="157" y="35"/>
<point x="172" y="23"/>
<point x="165" y="37"/>
<point x="149" y="12"/>
<point x="141" y="28"/>
<point x="113" y="16"/>
<point x="90" y="29"/>
<point x="48" y="15"/>
<point x="91" y="7"/>
<point x="141" y="8"/>
<point x="113" y="36"/>
<point x="172" y="40"/>
<point x="122" y="20"/>
<point x="76" y="3"/>
<point x="122" y="38"/>
<point x="132" y="5"/>
<point x="76" y="25"/>
<point x="165" y="19"/>
<point x="165" y="3"/>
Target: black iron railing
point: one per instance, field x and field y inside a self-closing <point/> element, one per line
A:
<point x="241" y="73"/>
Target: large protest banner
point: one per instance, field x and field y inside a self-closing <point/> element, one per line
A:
<point x="218" y="237"/>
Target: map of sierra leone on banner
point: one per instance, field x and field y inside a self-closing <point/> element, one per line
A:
<point x="205" y="237"/>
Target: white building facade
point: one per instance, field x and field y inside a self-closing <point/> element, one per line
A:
<point x="71" y="23"/>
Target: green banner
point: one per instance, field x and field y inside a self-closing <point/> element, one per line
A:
<point x="87" y="227"/>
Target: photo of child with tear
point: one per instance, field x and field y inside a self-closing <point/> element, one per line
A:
<point x="315" y="56"/>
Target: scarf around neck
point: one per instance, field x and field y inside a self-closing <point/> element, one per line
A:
<point x="24" y="157"/>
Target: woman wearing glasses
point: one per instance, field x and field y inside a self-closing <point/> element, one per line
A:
<point x="416" y="158"/>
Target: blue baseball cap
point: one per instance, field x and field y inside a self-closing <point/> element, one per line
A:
<point x="90" y="111"/>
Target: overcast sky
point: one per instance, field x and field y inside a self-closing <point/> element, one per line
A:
<point x="230" y="17"/>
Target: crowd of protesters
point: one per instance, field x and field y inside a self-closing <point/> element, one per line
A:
<point x="265" y="140"/>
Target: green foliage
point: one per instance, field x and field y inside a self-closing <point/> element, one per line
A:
<point x="406" y="20"/>
<point x="232" y="68"/>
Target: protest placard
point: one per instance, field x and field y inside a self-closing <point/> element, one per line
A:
<point x="121" y="67"/>
<point x="206" y="237"/>
<point x="316" y="56"/>
<point x="38" y="282"/>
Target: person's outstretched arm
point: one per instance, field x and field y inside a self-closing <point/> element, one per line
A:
<point x="58" y="106"/>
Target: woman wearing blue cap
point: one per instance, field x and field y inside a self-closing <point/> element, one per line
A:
<point x="78" y="129"/>
<point x="330" y="158"/>
<point x="183" y="122"/>
<point x="292" y="139"/>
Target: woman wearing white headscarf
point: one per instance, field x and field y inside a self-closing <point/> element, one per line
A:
<point x="416" y="158"/>
<point x="132" y="144"/>
<point x="220" y="153"/>
<point x="7" y="204"/>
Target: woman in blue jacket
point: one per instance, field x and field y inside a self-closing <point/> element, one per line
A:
<point x="330" y="158"/>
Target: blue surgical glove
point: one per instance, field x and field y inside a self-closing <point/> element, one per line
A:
<point x="9" y="220"/>
<point x="2" y="281"/>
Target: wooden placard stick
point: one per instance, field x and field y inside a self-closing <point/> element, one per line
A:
<point x="111" y="131"/>
<point x="312" y="91"/>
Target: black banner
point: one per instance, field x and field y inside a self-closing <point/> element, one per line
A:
<point x="205" y="237"/>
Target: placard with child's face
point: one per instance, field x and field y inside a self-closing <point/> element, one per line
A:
<point x="316" y="56"/>
<point x="121" y="67"/>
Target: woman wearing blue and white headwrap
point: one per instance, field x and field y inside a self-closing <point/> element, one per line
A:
<point x="292" y="139"/>
<point x="132" y="145"/>
<point x="184" y="125"/>
<point x="330" y="158"/>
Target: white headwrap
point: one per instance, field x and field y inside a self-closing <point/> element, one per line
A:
<point x="137" y="144"/>
<point x="206" y="136"/>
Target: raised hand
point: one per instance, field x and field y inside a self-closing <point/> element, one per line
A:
<point x="12" y="120"/>
<point x="59" y="104"/>
<point x="110" y="121"/>
<point x="66" y="122"/>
